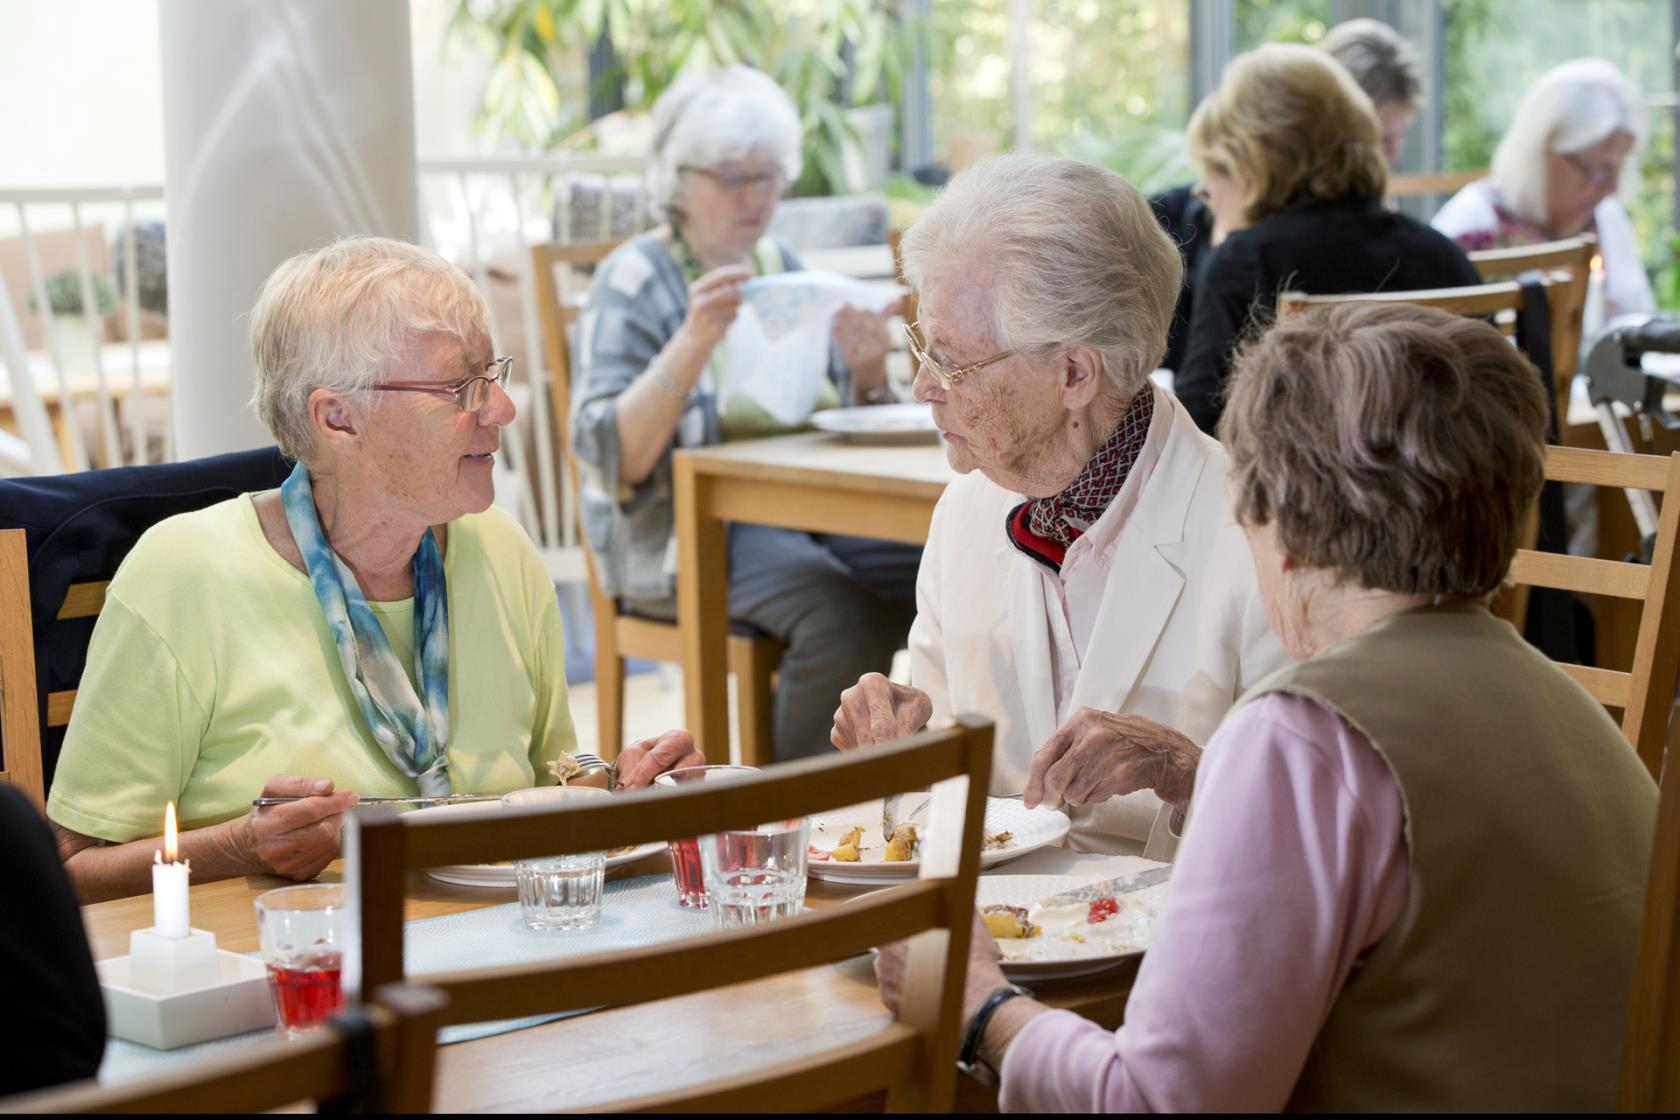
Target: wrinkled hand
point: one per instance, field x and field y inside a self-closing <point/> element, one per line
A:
<point x="714" y="300"/>
<point x="646" y="759"/>
<point x="864" y="341"/>
<point x="1097" y="755"/>
<point x="985" y="975"/>
<point x="299" y="839"/>
<point x="875" y="710"/>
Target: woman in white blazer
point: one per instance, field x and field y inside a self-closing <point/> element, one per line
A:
<point x="1085" y="585"/>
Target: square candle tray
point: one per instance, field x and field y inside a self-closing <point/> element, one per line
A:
<point x="236" y="1003"/>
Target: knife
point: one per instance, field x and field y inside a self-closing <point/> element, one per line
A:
<point x="1124" y="884"/>
<point x="453" y="798"/>
<point x="889" y="814"/>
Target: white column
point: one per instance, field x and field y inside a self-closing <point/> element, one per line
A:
<point x="286" y="123"/>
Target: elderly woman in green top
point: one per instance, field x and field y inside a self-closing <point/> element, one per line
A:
<point x="372" y="627"/>
<point x="654" y="374"/>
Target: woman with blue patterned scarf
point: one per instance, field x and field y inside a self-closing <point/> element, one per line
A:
<point x="371" y="627"/>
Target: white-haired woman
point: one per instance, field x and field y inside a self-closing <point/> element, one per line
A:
<point x="372" y="627"/>
<point x="654" y="375"/>
<point x="1414" y="878"/>
<point x="1556" y="174"/>
<point x="1084" y="584"/>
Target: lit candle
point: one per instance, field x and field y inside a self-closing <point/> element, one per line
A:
<point x="170" y="915"/>
<point x="1592" y="314"/>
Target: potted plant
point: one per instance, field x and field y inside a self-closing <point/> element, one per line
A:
<point x="73" y="331"/>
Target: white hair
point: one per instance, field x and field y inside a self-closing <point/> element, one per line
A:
<point x="1573" y="106"/>
<point x="703" y="120"/>
<point x="339" y="317"/>
<point x="1073" y="254"/>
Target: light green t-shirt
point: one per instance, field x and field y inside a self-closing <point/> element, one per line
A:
<point x="212" y="668"/>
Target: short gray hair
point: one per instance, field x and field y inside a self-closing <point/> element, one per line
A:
<point x="339" y="316"/>
<point x="1075" y="256"/>
<point x="1380" y="60"/>
<point x="704" y="120"/>
<point x="1572" y="106"/>
<point x="1398" y="447"/>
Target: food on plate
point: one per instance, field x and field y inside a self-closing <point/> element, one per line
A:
<point x="901" y="845"/>
<point x="996" y="841"/>
<point x="1008" y="922"/>
<point x="847" y="850"/>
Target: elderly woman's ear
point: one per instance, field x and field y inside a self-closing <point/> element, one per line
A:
<point x="1082" y="377"/>
<point x="332" y="417"/>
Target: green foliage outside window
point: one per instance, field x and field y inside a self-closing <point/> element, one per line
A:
<point x="805" y="45"/>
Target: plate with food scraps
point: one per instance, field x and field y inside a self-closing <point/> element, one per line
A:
<point x="500" y="875"/>
<point x="867" y="858"/>
<point x="1039" y="942"/>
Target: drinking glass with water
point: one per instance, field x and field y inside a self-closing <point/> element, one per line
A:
<point x="559" y="892"/>
<point x="756" y="876"/>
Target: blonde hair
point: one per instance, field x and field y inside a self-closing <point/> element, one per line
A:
<point x="1398" y="447"/>
<point x="1297" y="124"/>
<point x="339" y="316"/>
<point x="1074" y="253"/>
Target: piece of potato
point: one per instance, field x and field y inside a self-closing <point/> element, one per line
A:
<point x="847" y="850"/>
<point x="901" y="847"/>
<point x="1008" y="922"/>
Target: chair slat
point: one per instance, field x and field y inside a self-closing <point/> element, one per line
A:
<point x="84" y="600"/>
<point x="1585" y="574"/>
<point x="1608" y="468"/>
<point x="19" y="717"/>
<point x="1608" y="686"/>
<point x="59" y="706"/>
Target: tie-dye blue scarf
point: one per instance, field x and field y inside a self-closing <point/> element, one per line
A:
<point x="413" y="731"/>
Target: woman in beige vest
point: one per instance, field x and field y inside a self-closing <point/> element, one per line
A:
<point x="1413" y="872"/>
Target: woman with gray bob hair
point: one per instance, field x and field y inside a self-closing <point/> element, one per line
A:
<point x="1398" y="837"/>
<point x="1084" y="584"/>
<point x="1557" y="172"/>
<point x="660" y="366"/>
<point x="372" y="627"/>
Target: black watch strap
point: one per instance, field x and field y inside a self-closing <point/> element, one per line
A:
<point x="976" y="1029"/>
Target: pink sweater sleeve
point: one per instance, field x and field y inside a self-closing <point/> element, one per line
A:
<point x="1293" y="865"/>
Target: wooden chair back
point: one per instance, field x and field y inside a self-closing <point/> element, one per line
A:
<point x="1430" y="182"/>
<point x="912" y="1059"/>
<point x="752" y="657"/>
<point x="323" y="1067"/>
<point x="20" y="728"/>
<point x="1650" y="1077"/>
<point x="1645" y="693"/>
<point x="1568" y="263"/>
<point x="1499" y="302"/>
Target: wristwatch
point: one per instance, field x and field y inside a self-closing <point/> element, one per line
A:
<point x="968" y="1058"/>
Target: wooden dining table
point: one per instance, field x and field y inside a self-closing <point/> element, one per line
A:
<point x="588" y="1060"/>
<point x="814" y="481"/>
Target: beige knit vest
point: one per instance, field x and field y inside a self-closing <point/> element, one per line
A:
<point x="1503" y="983"/>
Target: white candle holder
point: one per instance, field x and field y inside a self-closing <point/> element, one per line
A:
<point x="175" y="991"/>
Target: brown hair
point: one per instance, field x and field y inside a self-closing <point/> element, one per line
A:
<point x="1383" y="63"/>
<point x="1397" y="446"/>
<point x="1296" y="123"/>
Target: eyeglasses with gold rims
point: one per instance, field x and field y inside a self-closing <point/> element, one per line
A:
<point x="471" y="393"/>
<point x="945" y="377"/>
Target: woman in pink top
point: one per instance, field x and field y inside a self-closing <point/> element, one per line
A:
<point x="1395" y="842"/>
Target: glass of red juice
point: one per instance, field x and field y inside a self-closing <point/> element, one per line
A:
<point x="685" y="854"/>
<point x="304" y="931"/>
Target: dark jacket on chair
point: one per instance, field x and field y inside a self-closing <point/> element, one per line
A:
<point x="1320" y="248"/>
<point x="82" y="525"/>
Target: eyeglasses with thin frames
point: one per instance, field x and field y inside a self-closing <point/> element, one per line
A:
<point x="734" y="182"/>
<point x="471" y="393"/>
<point x="945" y="377"/>
<point x="1597" y="175"/>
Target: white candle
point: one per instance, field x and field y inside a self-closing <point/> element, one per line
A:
<point x="171" y="916"/>
<point x="1592" y="314"/>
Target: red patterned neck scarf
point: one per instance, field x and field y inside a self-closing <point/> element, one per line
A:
<point x="1043" y="528"/>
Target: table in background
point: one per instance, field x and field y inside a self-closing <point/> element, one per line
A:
<point x="812" y="481"/>
<point x="591" y="1059"/>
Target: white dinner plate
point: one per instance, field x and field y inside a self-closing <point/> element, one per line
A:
<point x="1032" y="829"/>
<point x="907" y="422"/>
<point x="500" y="875"/>
<point x="1063" y="958"/>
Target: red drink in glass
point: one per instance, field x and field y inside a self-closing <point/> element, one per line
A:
<point x="304" y="997"/>
<point x="685" y="854"/>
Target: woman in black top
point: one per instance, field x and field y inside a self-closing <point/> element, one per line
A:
<point x="1292" y="166"/>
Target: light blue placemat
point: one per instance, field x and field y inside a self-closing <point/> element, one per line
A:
<point x="634" y="912"/>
